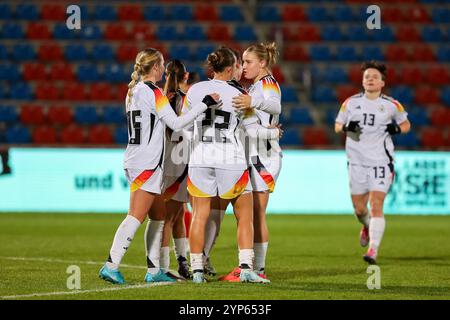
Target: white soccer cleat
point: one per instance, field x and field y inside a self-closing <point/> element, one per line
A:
<point x="248" y="275"/>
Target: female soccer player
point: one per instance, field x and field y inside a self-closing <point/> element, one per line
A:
<point x="218" y="166"/>
<point x="148" y="112"/>
<point x="265" y="98"/>
<point x="369" y="119"/>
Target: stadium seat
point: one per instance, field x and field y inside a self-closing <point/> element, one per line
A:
<point x="86" y="114"/>
<point x="301" y="116"/>
<point x="295" y="53"/>
<point x="102" y="52"/>
<point x="307" y="32"/>
<point x="60" y="115"/>
<point x="372" y="53"/>
<point x="88" y="72"/>
<point x="440" y="15"/>
<point x="418" y="116"/>
<point x="384" y="34"/>
<point x="393" y="76"/>
<point x="411" y="75"/>
<point x="99" y="134"/>
<point x="32" y="114"/>
<point x="346" y="91"/>
<point x="440" y="117"/>
<point x="432" y="34"/>
<point x="5" y="11"/>
<point x="344" y="14"/>
<point x="291" y="136"/>
<point x="121" y="135"/>
<point x="320" y="53"/>
<point x="244" y="33"/>
<point x="75" y="52"/>
<point x="74" y="91"/>
<point x="154" y="13"/>
<point x="61" y="71"/>
<point x="397" y="53"/>
<point x="8" y="114"/>
<point x="73" y="134"/>
<point x="23" y="51"/>
<point x="114" y="114"/>
<point x="91" y="32"/>
<point x="193" y="32"/>
<point x="115" y="73"/>
<point x="427" y="95"/>
<point x="408" y="140"/>
<point x="267" y="13"/>
<point x="180" y="12"/>
<point x="443" y="53"/>
<point x="315" y="137"/>
<point x="50" y="52"/>
<point x="219" y="32"/>
<point x="356" y="33"/>
<point x="54" y="12"/>
<point x="116" y="31"/>
<point x="142" y="31"/>
<point x="102" y="91"/>
<point x="432" y="137"/>
<point x="167" y="32"/>
<point x="9" y="71"/>
<point x="61" y="32"/>
<point x="27" y="11"/>
<point x="332" y="33"/>
<point x="180" y="51"/>
<point x="407" y="34"/>
<point x="323" y="95"/>
<point x="105" y="12"/>
<point x="12" y="30"/>
<point x="417" y="14"/>
<point x="438" y="75"/>
<point x="403" y="94"/>
<point x="445" y="96"/>
<point x="317" y="14"/>
<point x="126" y="52"/>
<point x="38" y="31"/>
<point x="347" y="53"/>
<point x="202" y="52"/>
<point x="289" y="95"/>
<point x="21" y="91"/>
<point x="4" y="54"/>
<point x="130" y="12"/>
<point x="293" y="13"/>
<point x="278" y="74"/>
<point x="44" y="135"/>
<point x="231" y="13"/>
<point x="46" y="91"/>
<point x="393" y="14"/>
<point x="336" y="74"/>
<point x="18" y="134"/>
<point x="204" y="12"/>
<point x="423" y="53"/>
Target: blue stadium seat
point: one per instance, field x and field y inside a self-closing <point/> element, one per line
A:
<point x="291" y="136"/>
<point x="335" y="74"/>
<point x="121" y="135"/>
<point x="331" y="115"/>
<point x="193" y="32"/>
<point x="180" y="51"/>
<point x="86" y="114"/>
<point x="289" y="95"/>
<point x="60" y="31"/>
<point x="347" y="53"/>
<point x="320" y="53"/>
<point x="9" y="71"/>
<point x="267" y="13"/>
<point x="332" y="33"/>
<point x="102" y="51"/>
<point x="244" y="33"/>
<point x="445" y="95"/>
<point x="301" y="116"/>
<point x="440" y="15"/>
<point x="8" y="113"/>
<point x="105" y="13"/>
<point x="91" y="32"/>
<point x="317" y="14"/>
<point x="231" y="13"/>
<point x="418" y="116"/>
<point x="199" y="70"/>
<point x="4" y="55"/>
<point x="403" y="93"/>
<point x="284" y="118"/>
<point x="23" y="51"/>
<point x="432" y="34"/>
<point x="21" y="91"/>
<point x="115" y="73"/>
<point x="323" y="94"/>
<point x="12" y="30"/>
<point x="385" y="34"/>
<point x="356" y="33"/>
<point x="114" y="114"/>
<point x="154" y="13"/>
<point x="344" y="14"/>
<point x="5" y="11"/>
<point x="372" y="53"/>
<point x="408" y="140"/>
<point x="75" y="52"/>
<point x="18" y="134"/>
<point x="181" y="13"/>
<point x="88" y="73"/>
<point x="202" y="52"/>
<point x="167" y="32"/>
<point x="27" y="11"/>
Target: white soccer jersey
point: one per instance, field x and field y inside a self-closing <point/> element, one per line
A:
<point x="216" y="139"/>
<point x="266" y="99"/>
<point x="148" y="114"/>
<point x="374" y="145"/>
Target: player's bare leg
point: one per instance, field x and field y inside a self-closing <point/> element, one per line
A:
<point x="377" y="225"/>
<point x="261" y="238"/>
<point x="359" y="202"/>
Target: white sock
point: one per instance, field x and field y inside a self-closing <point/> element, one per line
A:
<point x="376" y="231"/>
<point x="180" y="247"/>
<point x="364" y="219"/>
<point x="246" y="257"/>
<point x="153" y="239"/>
<point x="122" y="240"/>
<point x="260" y="255"/>
<point x="197" y="261"/>
<point x="212" y="229"/>
<point x="164" y="259"/>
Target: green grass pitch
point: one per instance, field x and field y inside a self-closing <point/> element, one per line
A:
<point x="310" y="257"/>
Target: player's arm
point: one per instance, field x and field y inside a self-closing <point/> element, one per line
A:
<point x="401" y="124"/>
<point x="270" y="103"/>
<point x="256" y="130"/>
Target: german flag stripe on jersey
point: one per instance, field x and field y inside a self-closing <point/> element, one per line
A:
<point x="398" y="105"/>
<point x="264" y="173"/>
<point x="270" y="85"/>
<point x="184" y="107"/>
<point x="344" y="105"/>
<point x="238" y="188"/>
<point x="141" y="179"/>
<point x="196" y="192"/>
<point x="160" y="100"/>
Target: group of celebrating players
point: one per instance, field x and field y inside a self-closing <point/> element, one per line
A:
<point x="215" y="143"/>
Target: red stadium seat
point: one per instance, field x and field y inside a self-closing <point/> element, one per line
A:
<point x="34" y="71"/>
<point x="121" y="91"/>
<point x="61" y="71"/>
<point x="411" y="75"/>
<point x="355" y="74"/>
<point x="432" y="137"/>
<point x="32" y="114"/>
<point x="46" y="91"/>
<point x="345" y="91"/>
<point x="73" y="134"/>
<point x="315" y="137"/>
<point x="307" y="32"/>
<point x="408" y="34"/>
<point x="295" y="53"/>
<point x="278" y="74"/>
<point x="219" y="32"/>
<point x="74" y="91"/>
<point x="44" y="135"/>
<point x="116" y="31"/>
<point x="397" y="53"/>
<point x="50" y="52"/>
<point x="438" y="75"/>
<point x="205" y="13"/>
<point x="423" y="53"/>
<point x="127" y="52"/>
<point x="38" y="31"/>
<point x="427" y="95"/>
<point x="60" y="115"/>
<point x="393" y="76"/>
<point x="440" y="117"/>
<point x="293" y="13"/>
<point x="55" y="12"/>
<point x="143" y="31"/>
<point x="393" y="14"/>
<point x="130" y="12"/>
<point x="100" y="134"/>
<point x="417" y="13"/>
<point x="101" y="91"/>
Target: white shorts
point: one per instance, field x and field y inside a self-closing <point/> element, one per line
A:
<point x="264" y="173"/>
<point x="175" y="188"/>
<point x="364" y="179"/>
<point x="147" y="180"/>
<point x="212" y="182"/>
